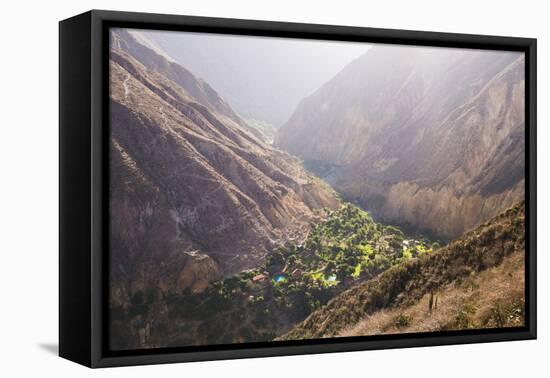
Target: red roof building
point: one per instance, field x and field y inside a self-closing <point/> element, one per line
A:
<point x="259" y="278"/>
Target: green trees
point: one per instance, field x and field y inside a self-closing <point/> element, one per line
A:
<point x="353" y="246"/>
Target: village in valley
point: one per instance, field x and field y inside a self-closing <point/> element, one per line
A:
<point x="347" y="248"/>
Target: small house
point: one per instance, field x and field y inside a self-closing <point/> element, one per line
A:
<point x="259" y="278"/>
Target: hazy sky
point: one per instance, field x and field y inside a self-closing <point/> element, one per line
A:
<point x="262" y="78"/>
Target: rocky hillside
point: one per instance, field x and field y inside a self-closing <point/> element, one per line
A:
<point x="475" y="281"/>
<point x="427" y="137"/>
<point x="194" y="195"/>
<point x="201" y="92"/>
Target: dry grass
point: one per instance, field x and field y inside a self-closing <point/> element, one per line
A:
<point x="491" y="298"/>
<point x="412" y="283"/>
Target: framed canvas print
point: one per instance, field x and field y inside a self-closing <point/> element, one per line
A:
<point x="234" y="188"/>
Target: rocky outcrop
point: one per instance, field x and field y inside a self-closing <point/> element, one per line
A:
<point x="427" y="137"/>
<point x="197" y="274"/>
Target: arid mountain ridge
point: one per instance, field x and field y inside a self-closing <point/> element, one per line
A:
<point x="195" y="195"/>
<point x="426" y="137"/>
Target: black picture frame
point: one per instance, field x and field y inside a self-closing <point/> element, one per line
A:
<point x="83" y="181"/>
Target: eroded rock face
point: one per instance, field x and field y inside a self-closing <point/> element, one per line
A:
<point x="429" y="137"/>
<point x="197" y="274"/>
<point x="194" y="195"/>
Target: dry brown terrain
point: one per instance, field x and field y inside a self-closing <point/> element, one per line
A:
<point x="494" y="298"/>
<point x="194" y="194"/>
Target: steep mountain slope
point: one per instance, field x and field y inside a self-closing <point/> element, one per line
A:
<point x="202" y="92"/>
<point x="262" y="78"/>
<point x="429" y="137"/>
<point x="194" y="195"/>
<point x="391" y="301"/>
<point x="493" y="298"/>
